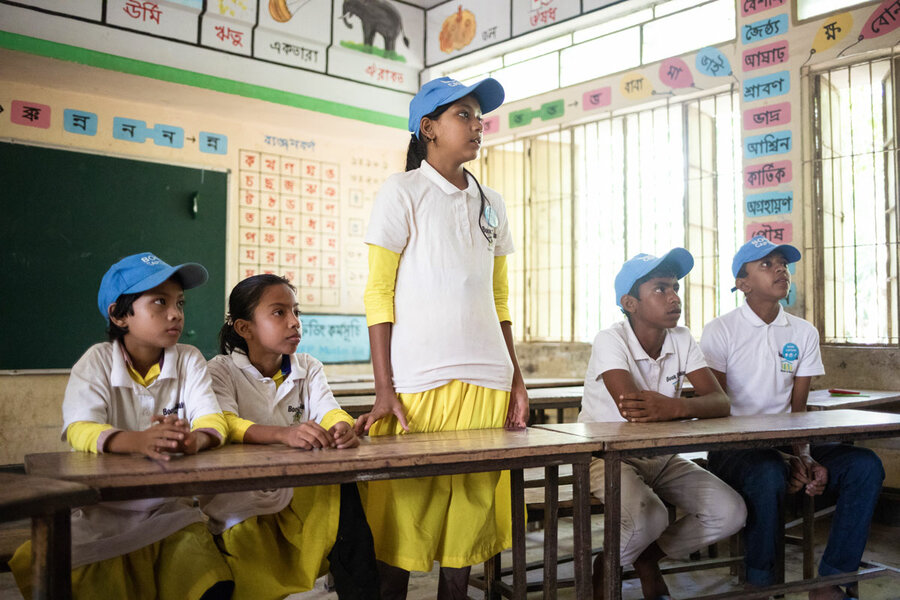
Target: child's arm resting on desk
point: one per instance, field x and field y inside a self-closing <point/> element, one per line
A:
<point x="641" y="406"/>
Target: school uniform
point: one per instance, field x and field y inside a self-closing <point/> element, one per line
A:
<point x="760" y="361"/>
<point x="441" y="278"/>
<point x="713" y="511"/>
<point x="278" y="542"/>
<point x="156" y="547"/>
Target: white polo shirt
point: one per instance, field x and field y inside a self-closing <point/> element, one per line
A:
<point x="760" y="360"/>
<point x="618" y="348"/>
<point x="100" y="390"/>
<point x="445" y="321"/>
<point x="303" y="396"/>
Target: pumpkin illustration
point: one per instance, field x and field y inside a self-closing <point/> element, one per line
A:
<point x="457" y="31"/>
<point x="279" y="11"/>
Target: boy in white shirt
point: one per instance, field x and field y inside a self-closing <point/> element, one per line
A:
<point x="765" y="358"/>
<point x="635" y="374"/>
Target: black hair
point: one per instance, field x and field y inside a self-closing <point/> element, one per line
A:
<point x="418" y="151"/>
<point x="124" y="306"/>
<point x="242" y="301"/>
<point x="418" y="148"/>
<point x="663" y="270"/>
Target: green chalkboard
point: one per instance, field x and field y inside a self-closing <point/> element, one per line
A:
<point x="65" y="217"/>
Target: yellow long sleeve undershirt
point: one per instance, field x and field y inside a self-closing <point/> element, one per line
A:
<point x="379" y="294"/>
<point x="237" y="426"/>
<point x="84" y="435"/>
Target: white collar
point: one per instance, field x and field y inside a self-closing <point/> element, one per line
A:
<point x="637" y="351"/>
<point x="445" y="186"/>
<point x="120" y="376"/>
<point x="753" y="319"/>
<point x="242" y="362"/>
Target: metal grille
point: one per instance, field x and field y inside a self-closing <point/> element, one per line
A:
<point x="855" y="174"/>
<point x="583" y="199"/>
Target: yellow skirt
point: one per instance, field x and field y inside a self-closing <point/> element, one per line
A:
<point x="182" y="566"/>
<point x="273" y="556"/>
<point x="457" y="520"/>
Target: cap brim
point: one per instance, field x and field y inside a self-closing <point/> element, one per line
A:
<point x="488" y="92"/>
<point x="190" y="274"/>
<point x="680" y="258"/>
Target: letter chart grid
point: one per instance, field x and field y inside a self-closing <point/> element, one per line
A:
<point x="289" y="223"/>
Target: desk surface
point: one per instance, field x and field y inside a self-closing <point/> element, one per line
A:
<point x="23" y="496"/>
<point x="822" y="400"/>
<point x="540" y="398"/>
<point x="246" y="466"/>
<point x="340" y="386"/>
<point x="706" y="434"/>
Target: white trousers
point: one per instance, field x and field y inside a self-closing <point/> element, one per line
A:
<point x="710" y="509"/>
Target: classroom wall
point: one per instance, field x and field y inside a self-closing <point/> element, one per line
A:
<point x="362" y="155"/>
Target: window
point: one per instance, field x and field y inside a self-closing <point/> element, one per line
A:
<point x="855" y="174"/>
<point x="644" y="36"/>
<point x="581" y="202"/>
<point x="807" y="9"/>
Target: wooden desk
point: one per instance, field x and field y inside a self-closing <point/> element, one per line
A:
<point x="48" y="503"/>
<point x="617" y="441"/>
<point x="367" y="387"/>
<point x="539" y="399"/>
<point x="822" y="400"/>
<point x="246" y="467"/>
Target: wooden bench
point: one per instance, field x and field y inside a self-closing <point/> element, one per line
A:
<point x="48" y="503"/>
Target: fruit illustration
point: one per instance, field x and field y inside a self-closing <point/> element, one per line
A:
<point x="457" y="31"/>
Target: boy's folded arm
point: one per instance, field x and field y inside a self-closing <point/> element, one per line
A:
<point x="620" y="384"/>
<point x="710" y="399"/>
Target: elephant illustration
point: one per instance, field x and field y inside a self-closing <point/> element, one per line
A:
<point x="377" y="16"/>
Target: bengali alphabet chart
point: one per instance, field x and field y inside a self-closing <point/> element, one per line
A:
<point x="290" y="223"/>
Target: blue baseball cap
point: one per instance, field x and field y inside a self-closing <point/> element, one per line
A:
<point x="760" y="247"/>
<point x="445" y="90"/>
<point x="142" y="272"/>
<point x="640" y="264"/>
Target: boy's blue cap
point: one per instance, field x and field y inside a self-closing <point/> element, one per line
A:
<point x="760" y="247"/>
<point x="142" y="272"/>
<point x="445" y="90"/>
<point x="641" y="264"/>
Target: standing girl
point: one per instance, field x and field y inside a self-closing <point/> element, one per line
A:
<point x="441" y="337"/>
<point x="141" y="393"/>
<point x="277" y="541"/>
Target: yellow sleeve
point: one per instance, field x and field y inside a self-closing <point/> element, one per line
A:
<point x="237" y="427"/>
<point x="501" y="289"/>
<point x="336" y="415"/>
<point x="83" y="435"/>
<point x="379" y="294"/>
<point x="215" y="422"/>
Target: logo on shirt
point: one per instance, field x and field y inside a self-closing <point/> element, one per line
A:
<point x="789" y="353"/>
<point x="173" y="410"/>
<point x="298" y="411"/>
<point x="676" y="380"/>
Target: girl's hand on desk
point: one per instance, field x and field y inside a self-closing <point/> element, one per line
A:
<point x="308" y="435"/>
<point x="344" y="436"/>
<point x="156" y="442"/>
<point x="646" y="406"/>
<point x="386" y="403"/>
<point x="517" y="413"/>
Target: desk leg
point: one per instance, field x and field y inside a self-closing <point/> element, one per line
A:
<point x="51" y="556"/>
<point x="551" y="517"/>
<point x="582" y="529"/>
<point x="612" y="509"/>
<point x="520" y="584"/>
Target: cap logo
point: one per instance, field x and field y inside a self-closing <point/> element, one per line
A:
<point x="759" y="242"/>
<point x="453" y="83"/>
<point x="646" y="258"/>
<point x="150" y="260"/>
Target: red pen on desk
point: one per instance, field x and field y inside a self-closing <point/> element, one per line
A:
<point x="839" y="392"/>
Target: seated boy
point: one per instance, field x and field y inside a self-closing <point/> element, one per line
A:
<point x="765" y="359"/>
<point x="635" y="374"/>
